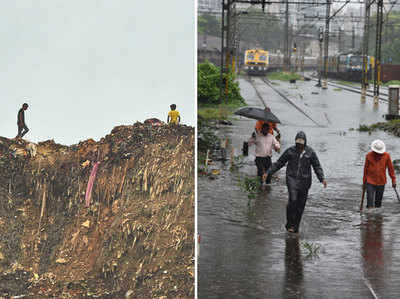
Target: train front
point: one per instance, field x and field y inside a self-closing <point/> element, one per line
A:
<point x="256" y="62"/>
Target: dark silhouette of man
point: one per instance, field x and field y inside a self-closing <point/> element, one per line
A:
<point x="22" y="128"/>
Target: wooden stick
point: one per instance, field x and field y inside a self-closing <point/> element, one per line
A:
<point x="43" y="207"/>
<point x="397" y="194"/>
<point x="123" y="178"/>
<point x="362" y="199"/>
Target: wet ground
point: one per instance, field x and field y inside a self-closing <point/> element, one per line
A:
<point x="245" y="251"/>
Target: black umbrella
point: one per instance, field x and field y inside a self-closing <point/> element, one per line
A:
<point x="257" y="113"/>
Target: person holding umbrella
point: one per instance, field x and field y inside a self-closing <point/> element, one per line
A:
<point x="264" y="142"/>
<point x="299" y="159"/>
<point x="262" y="115"/>
<point x="374" y="179"/>
<point x="272" y="125"/>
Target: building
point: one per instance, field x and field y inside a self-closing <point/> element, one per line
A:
<point x="209" y="6"/>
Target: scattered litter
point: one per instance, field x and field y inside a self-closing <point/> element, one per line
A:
<point x="61" y="261"/>
<point x="86" y="224"/>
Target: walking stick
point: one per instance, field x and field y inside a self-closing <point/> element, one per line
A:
<point x="362" y="199"/>
<point x="397" y="194"/>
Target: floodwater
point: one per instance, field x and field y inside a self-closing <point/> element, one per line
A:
<point x="245" y="251"/>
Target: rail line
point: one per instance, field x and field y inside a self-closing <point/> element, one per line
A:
<point x="354" y="89"/>
<point x="267" y="82"/>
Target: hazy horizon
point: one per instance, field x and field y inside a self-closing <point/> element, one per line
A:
<point x="85" y="67"/>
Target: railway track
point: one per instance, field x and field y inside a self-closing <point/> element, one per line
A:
<point x="383" y="97"/>
<point x="267" y="82"/>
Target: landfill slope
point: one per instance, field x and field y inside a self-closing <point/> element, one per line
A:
<point x="134" y="240"/>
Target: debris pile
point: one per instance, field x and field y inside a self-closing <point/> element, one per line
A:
<point x="135" y="239"/>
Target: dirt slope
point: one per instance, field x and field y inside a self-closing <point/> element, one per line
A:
<point x="135" y="239"/>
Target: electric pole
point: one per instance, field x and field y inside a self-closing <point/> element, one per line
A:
<point x="223" y="28"/>
<point x="365" y="77"/>
<point x="377" y="77"/>
<point x="326" y="44"/>
<point x="286" y="45"/>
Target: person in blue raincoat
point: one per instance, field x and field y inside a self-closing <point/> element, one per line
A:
<point x="299" y="159"/>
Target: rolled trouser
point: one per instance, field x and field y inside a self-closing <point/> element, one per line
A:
<point x="374" y="194"/>
<point x="263" y="164"/>
<point x="295" y="207"/>
<point x="22" y="130"/>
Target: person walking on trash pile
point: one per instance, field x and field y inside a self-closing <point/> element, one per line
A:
<point x="264" y="142"/>
<point x="272" y="126"/>
<point x="299" y="159"/>
<point x="22" y="128"/>
<point x="173" y="116"/>
<point x="374" y="179"/>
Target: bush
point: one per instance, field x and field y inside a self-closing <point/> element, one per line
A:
<point x="208" y="85"/>
<point x="392" y="82"/>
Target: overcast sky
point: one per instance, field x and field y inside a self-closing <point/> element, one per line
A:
<point x="86" y="66"/>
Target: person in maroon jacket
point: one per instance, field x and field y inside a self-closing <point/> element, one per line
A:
<point x="22" y="128"/>
<point x="374" y="179"/>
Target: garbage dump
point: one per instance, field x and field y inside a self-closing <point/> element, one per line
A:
<point x="106" y="219"/>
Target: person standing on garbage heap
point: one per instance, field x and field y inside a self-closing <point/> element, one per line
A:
<point x="299" y="159"/>
<point x="374" y="179"/>
<point x="272" y="126"/>
<point x="264" y="142"/>
<point x="22" y="128"/>
<point x="173" y="115"/>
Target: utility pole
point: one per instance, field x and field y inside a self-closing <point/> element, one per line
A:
<point x="353" y="38"/>
<point x="364" y="81"/>
<point x="377" y="77"/>
<point x="326" y="44"/>
<point x="221" y="77"/>
<point x="286" y="58"/>
<point x="340" y="40"/>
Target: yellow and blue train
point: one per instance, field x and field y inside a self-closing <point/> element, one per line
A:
<point x="256" y="62"/>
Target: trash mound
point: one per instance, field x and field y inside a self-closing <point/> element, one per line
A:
<point x="106" y="219"/>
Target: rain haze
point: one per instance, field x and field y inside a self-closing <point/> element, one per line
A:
<point x="87" y="66"/>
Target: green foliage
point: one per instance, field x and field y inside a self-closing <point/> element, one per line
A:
<point x="392" y="126"/>
<point x="347" y="83"/>
<point x="236" y="163"/>
<point x="311" y="249"/>
<point x="209" y="24"/>
<point x="364" y="128"/>
<point x="390" y="38"/>
<point x="208" y="85"/>
<point x="392" y="82"/>
<point x="250" y="185"/>
<point x="284" y="76"/>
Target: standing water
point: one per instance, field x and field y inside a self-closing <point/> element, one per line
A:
<point x="339" y="253"/>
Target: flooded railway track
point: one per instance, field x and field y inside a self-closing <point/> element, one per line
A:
<point x="383" y="97"/>
<point x="269" y="84"/>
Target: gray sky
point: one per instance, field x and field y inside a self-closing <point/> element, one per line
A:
<point x="86" y="66"/>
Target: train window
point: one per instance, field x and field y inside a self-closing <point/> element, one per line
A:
<point x="262" y="57"/>
<point x="355" y="60"/>
<point x="250" y="56"/>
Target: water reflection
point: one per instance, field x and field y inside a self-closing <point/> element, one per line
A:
<point x="293" y="283"/>
<point x="372" y="250"/>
